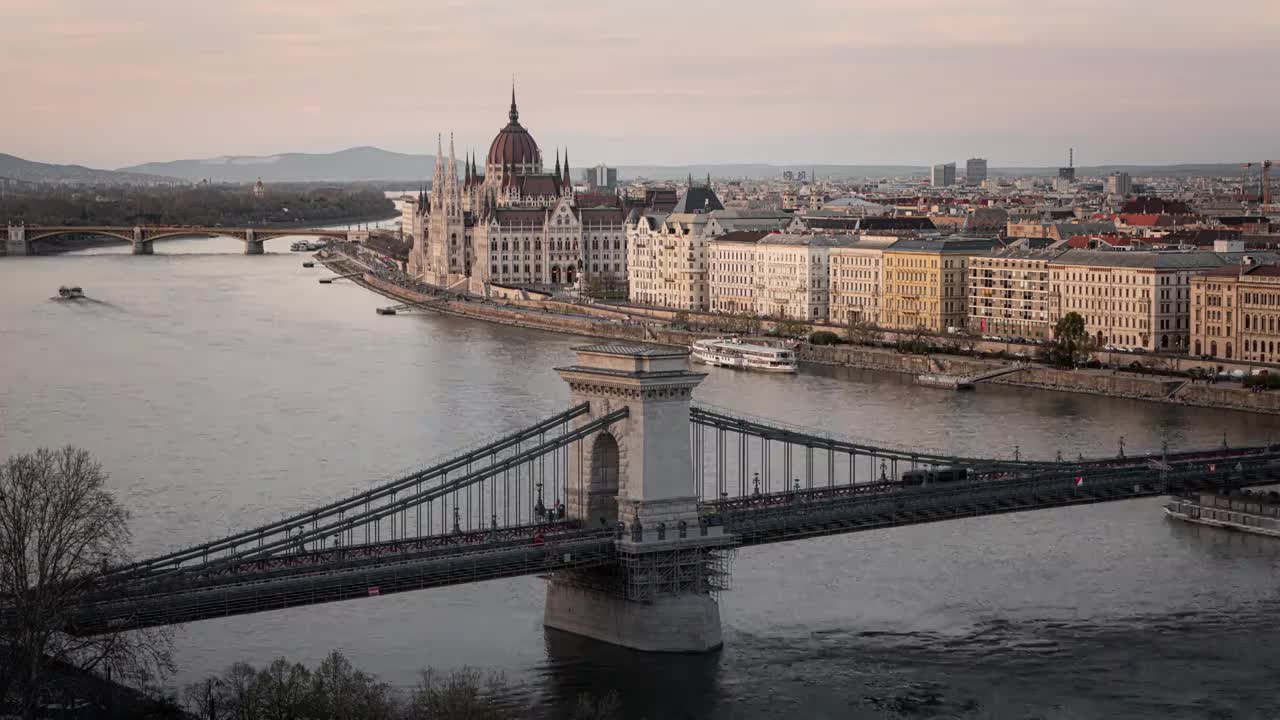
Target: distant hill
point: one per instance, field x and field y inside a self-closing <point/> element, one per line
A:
<point x="365" y="164"/>
<point x="353" y="164"/>
<point x="17" y="168"/>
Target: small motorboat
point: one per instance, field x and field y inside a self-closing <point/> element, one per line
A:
<point x="70" y="292"/>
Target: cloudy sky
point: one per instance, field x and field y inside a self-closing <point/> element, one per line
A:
<point x="115" y="82"/>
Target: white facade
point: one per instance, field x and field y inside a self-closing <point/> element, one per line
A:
<point x="667" y="254"/>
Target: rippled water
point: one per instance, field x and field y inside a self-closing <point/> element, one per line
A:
<point x="222" y="390"/>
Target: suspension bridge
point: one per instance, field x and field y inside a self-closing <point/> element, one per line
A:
<point x="631" y="502"/>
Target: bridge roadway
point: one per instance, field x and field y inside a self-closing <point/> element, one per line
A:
<point x="341" y="573"/>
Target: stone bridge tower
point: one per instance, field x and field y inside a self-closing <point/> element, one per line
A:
<point x="639" y="474"/>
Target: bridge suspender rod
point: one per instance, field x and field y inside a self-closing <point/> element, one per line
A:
<point x="728" y="422"/>
<point x="339" y="506"/>
<point x="371" y="516"/>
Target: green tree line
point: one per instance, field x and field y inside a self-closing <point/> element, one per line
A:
<point x="192" y="205"/>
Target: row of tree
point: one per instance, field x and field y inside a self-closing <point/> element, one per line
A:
<point x="192" y="205"/>
<point x="336" y="690"/>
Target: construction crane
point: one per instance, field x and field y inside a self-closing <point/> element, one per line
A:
<point x="1266" y="186"/>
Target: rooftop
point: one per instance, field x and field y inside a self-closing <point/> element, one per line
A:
<point x="628" y="350"/>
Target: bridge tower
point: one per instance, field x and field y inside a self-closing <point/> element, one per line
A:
<point x="17" y="241"/>
<point x="141" y="245"/>
<point x="638" y="476"/>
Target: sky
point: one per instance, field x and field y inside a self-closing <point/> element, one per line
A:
<point x="110" y="83"/>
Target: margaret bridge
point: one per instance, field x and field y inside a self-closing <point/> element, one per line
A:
<point x="631" y="502"/>
<point x="22" y="239"/>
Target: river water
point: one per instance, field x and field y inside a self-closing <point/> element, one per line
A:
<point x="222" y="390"/>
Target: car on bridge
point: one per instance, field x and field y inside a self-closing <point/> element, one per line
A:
<point x="931" y="476"/>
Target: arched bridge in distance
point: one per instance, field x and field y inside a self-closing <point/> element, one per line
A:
<point x="22" y="239"/>
<point x="632" y="501"/>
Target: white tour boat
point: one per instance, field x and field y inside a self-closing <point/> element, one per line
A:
<point x="733" y="353"/>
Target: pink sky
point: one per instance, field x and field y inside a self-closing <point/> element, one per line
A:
<point x="110" y="83"/>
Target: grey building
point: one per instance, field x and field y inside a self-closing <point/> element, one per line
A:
<point x="943" y="175"/>
<point x="600" y="177"/>
<point x="975" y="171"/>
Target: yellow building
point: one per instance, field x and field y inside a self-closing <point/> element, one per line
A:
<point x="925" y="282"/>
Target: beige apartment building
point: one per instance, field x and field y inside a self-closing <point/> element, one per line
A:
<point x="925" y="282"/>
<point x="857" y="279"/>
<point x="792" y="276"/>
<point x="772" y="274"/>
<point x="731" y="272"/>
<point x="1009" y="293"/>
<point x="1235" y="313"/>
<point x="1136" y="299"/>
<point x="667" y="254"/>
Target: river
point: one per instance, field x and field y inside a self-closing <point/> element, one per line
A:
<point x="222" y="390"/>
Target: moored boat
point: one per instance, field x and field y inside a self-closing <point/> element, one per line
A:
<point x="733" y="353"/>
<point x="70" y="292"/>
<point x="1251" y="512"/>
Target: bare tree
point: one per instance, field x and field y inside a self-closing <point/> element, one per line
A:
<point x="59" y="527"/>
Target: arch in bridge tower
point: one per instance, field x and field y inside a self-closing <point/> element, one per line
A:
<point x="603" y="480"/>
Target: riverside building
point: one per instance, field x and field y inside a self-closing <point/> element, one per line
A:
<point x="1135" y="299"/>
<point x="1009" y="293"/>
<point x="513" y="224"/>
<point x="857" y="279"/>
<point x="1235" y="312"/>
<point x="925" y="281"/>
<point x="667" y="253"/>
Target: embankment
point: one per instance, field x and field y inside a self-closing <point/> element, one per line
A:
<point x="1154" y="388"/>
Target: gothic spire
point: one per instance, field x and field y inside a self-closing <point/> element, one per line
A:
<point x="513" y="114"/>
<point x="565" y="179"/>
<point x="557" y="163"/>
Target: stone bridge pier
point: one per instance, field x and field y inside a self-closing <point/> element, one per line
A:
<point x="16" y="243"/>
<point x="141" y="245"/>
<point x="638" y="476"/>
<point x="252" y="245"/>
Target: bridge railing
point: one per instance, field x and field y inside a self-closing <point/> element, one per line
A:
<point x="823" y="511"/>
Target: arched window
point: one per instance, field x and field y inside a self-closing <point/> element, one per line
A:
<point x="1228" y="351"/>
<point x="1246" y="322"/>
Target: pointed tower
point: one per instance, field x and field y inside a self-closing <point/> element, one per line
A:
<point x="437" y="179"/>
<point x="454" y="198"/>
<point x="567" y="182"/>
<point x="557" y="163"/>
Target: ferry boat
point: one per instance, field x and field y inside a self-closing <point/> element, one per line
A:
<point x="72" y="292"/>
<point x="307" y="245"/>
<point x="1251" y="512"/>
<point x="733" y="353"/>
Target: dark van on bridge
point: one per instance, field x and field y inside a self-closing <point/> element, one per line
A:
<point x="930" y="476"/>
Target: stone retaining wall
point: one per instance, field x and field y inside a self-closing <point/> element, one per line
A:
<point x="1097" y="382"/>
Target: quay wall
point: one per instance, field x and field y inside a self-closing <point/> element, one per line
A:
<point x="1153" y="388"/>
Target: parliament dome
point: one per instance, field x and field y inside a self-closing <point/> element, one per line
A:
<point x="514" y="146"/>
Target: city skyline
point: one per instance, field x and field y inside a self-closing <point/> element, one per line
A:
<point x="870" y="82"/>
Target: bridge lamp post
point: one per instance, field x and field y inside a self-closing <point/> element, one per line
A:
<point x="1121" y="446"/>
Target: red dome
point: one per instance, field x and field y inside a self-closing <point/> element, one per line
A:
<point x="513" y="145"/>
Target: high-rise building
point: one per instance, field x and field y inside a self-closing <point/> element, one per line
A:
<point x="1119" y="184"/>
<point x="975" y="171"/>
<point x="600" y="177"/>
<point x="943" y="175"/>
